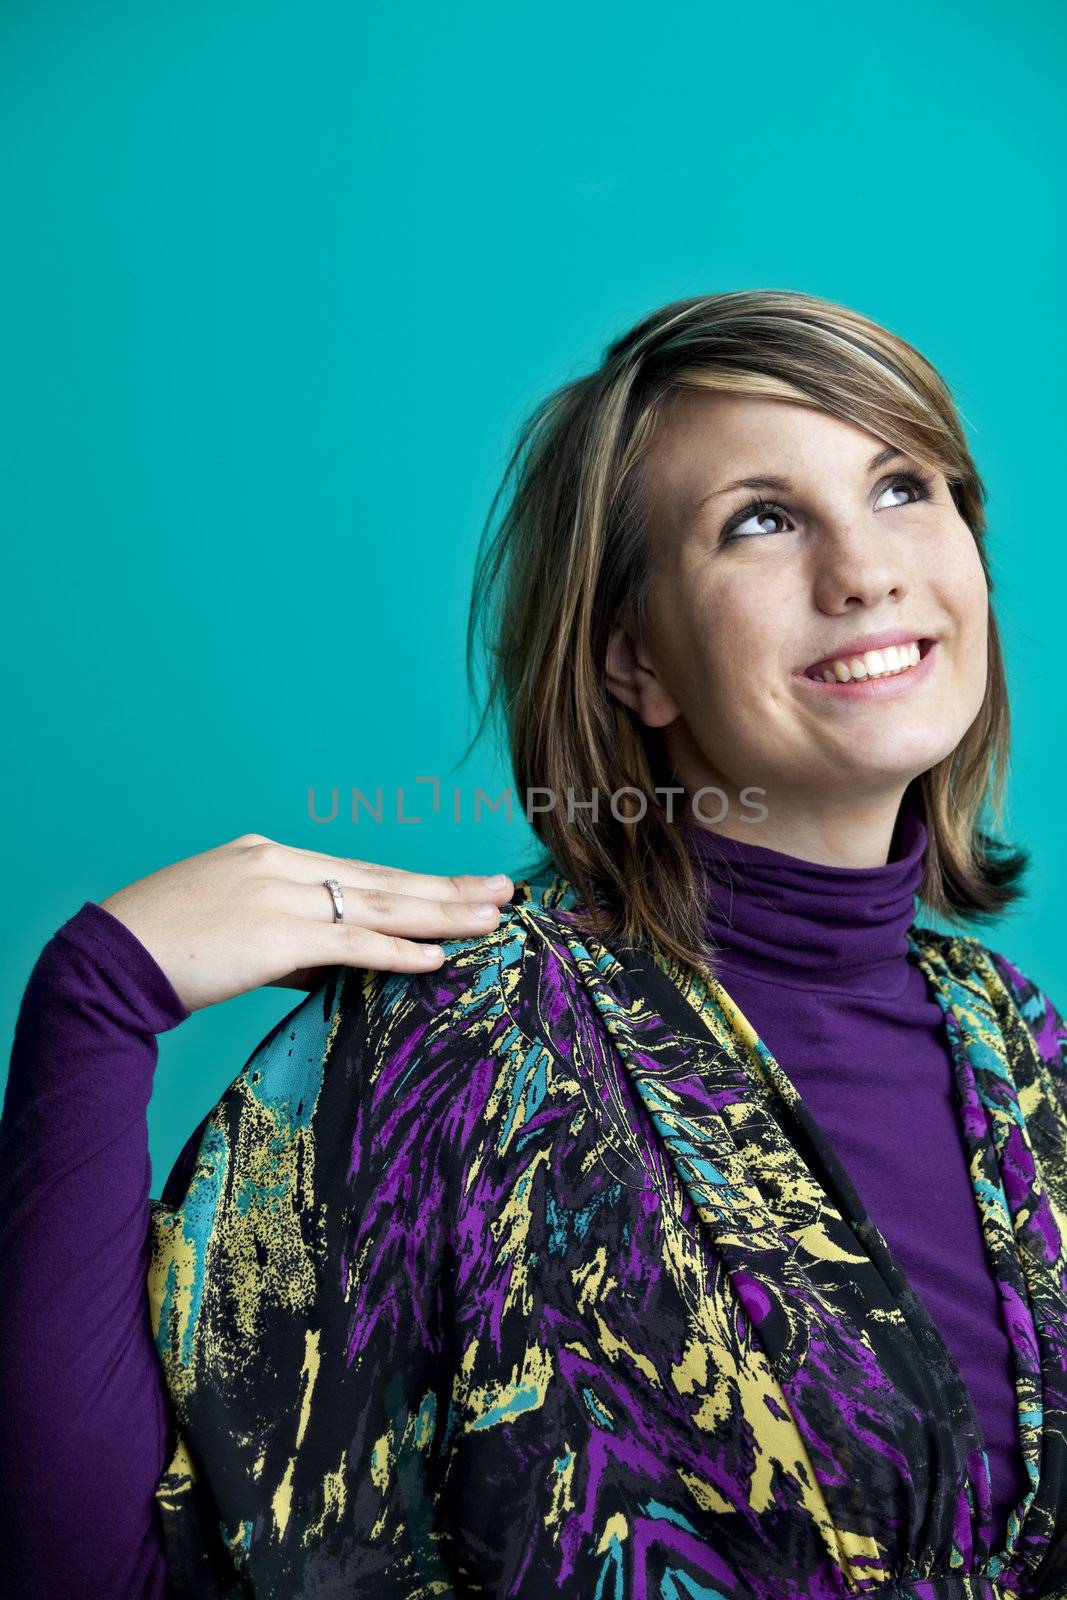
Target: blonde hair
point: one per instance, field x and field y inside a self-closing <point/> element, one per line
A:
<point x="572" y="554"/>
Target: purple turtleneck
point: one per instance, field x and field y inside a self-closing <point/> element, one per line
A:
<point x="816" y="957"/>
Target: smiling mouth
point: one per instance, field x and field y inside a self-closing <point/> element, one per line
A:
<point x="888" y="662"/>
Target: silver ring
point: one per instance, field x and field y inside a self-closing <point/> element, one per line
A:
<point x="338" y="898"/>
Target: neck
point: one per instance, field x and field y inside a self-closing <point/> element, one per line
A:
<point x="849" y="830"/>
<point x="793" y="920"/>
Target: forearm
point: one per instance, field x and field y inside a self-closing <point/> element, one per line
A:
<point x="84" y="1433"/>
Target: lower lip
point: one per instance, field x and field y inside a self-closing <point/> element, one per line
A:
<point x="874" y="688"/>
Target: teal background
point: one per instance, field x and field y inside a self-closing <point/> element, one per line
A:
<point x="279" y="282"/>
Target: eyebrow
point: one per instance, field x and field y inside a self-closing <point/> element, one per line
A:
<point x="783" y="485"/>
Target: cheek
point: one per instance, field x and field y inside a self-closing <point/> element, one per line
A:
<point x="719" y="648"/>
<point x="965" y="594"/>
<point x="961" y="587"/>
<point x="957" y="575"/>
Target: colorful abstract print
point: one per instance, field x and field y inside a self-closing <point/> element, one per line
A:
<point x="533" y="1276"/>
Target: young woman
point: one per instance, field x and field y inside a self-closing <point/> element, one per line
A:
<point x="697" y="1229"/>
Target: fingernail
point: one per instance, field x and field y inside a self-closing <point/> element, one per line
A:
<point x="432" y="952"/>
<point x="497" y="881"/>
<point x="485" y="911"/>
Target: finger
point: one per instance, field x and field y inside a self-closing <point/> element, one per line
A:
<point x="398" y="880"/>
<point x="419" y="885"/>
<point x="347" y="944"/>
<point x="404" y="915"/>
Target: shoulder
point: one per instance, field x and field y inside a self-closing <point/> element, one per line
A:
<point x="359" y="1113"/>
<point x="1036" y="1007"/>
<point x="365" y="1034"/>
<point x="361" y="1029"/>
<point x="481" y="978"/>
<point x="1007" y="982"/>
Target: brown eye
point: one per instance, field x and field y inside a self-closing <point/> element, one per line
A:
<point x="917" y="482"/>
<point x="761" y="509"/>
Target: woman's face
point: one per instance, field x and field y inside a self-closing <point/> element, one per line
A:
<point x="743" y="601"/>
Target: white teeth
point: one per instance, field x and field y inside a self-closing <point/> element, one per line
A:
<point x="883" y="663"/>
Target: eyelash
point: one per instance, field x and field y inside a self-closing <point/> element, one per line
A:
<point x="922" y="482"/>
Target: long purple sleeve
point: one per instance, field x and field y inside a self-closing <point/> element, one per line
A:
<point x="85" y="1428"/>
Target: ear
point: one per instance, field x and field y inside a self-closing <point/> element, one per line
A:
<point x="632" y="678"/>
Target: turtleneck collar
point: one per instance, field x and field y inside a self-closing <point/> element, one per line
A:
<point x="797" y="923"/>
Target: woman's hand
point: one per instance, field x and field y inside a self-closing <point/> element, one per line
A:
<point x="255" y="912"/>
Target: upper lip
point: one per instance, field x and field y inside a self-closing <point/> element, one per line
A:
<point x="863" y="642"/>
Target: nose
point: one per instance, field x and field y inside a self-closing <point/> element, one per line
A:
<point x="856" y="563"/>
